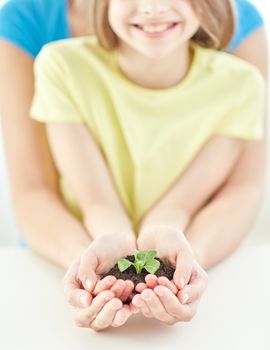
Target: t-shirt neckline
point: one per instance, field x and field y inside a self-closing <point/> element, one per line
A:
<point x="165" y="91"/>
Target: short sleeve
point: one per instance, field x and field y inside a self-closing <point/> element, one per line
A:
<point x="246" y="119"/>
<point x="53" y="100"/>
<point x="20" y="25"/>
<point x="248" y="19"/>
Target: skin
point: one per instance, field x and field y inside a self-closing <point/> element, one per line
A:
<point x="79" y="12"/>
<point x="144" y="53"/>
<point x="156" y="307"/>
<point x="30" y="142"/>
<point x="195" y="279"/>
<point x="154" y="56"/>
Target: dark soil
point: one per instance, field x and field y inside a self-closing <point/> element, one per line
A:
<point x="165" y="269"/>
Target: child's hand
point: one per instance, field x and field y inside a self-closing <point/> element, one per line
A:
<point x="179" y="298"/>
<point x="185" y="309"/>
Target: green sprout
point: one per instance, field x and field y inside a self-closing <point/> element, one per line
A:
<point x="143" y="260"/>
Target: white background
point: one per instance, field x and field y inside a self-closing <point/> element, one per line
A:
<point x="9" y="232"/>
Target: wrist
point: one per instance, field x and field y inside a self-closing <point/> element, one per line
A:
<point x="153" y="236"/>
<point x="120" y="244"/>
<point x="168" y="215"/>
<point x="123" y="239"/>
<point x="102" y="219"/>
<point x="128" y="237"/>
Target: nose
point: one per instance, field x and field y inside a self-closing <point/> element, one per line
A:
<point x="151" y="8"/>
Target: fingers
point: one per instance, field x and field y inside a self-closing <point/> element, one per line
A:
<point x="146" y="311"/>
<point x="79" y="298"/>
<point x="87" y="268"/>
<point x="134" y="309"/>
<point x="129" y="299"/>
<point x="140" y="287"/>
<point x="104" y="284"/>
<point x="194" y="290"/>
<point x="83" y="317"/>
<point x="174" y="307"/>
<point x="184" y="265"/>
<point x="138" y="302"/>
<point x="156" y="307"/>
<point x="164" y="281"/>
<point x="118" y="288"/>
<point x="106" y="316"/>
<point x="105" y="311"/>
<point x="72" y="288"/>
<point x="70" y="281"/>
<point x="151" y="281"/>
<point x="121" y="289"/>
<point x="121" y="316"/>
<point x="129" y="286"/>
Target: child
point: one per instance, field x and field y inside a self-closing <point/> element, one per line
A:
<point x="166" y="115"/>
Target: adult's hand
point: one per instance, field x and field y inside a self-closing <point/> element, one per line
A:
<point x="101" y="305"/>
<point x="176" y="300"/>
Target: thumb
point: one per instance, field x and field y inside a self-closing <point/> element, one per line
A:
<point x="87" y="271"/>
<point x="70" y="281"/>
<point x="184" y="265"/>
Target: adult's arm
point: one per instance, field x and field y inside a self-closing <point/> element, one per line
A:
<point x="46" y="224"/>
<point x="254" y="49"/>
<point x="235" y="207"/>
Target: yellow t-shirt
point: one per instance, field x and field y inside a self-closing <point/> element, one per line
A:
<point x="148" y="136"/>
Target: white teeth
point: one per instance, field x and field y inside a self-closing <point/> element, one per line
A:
<point x="155" y="29"/>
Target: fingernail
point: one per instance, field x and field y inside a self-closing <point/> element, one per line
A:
<point x="88" y="284"/>
<point x="184" y="298"/>
<point x="83" y="300"/>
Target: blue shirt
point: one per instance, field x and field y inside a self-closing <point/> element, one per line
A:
<point x="248" y="20"/>
<point x="30" y="24"/>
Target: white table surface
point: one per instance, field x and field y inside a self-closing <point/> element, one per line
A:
<point x="233" y="313"/>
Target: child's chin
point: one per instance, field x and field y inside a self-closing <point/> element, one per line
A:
<point x="155" y="54"/>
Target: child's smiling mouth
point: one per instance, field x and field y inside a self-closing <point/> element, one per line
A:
<point x="156" y="30"/>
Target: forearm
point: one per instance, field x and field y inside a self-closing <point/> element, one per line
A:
<point x="218" y="228"/>
<point x="87" y="173"/>
<point x="105" y="218"/>
<point x="49" y="228"/>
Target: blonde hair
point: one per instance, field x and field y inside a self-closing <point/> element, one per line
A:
<point x="216" y="17"/>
